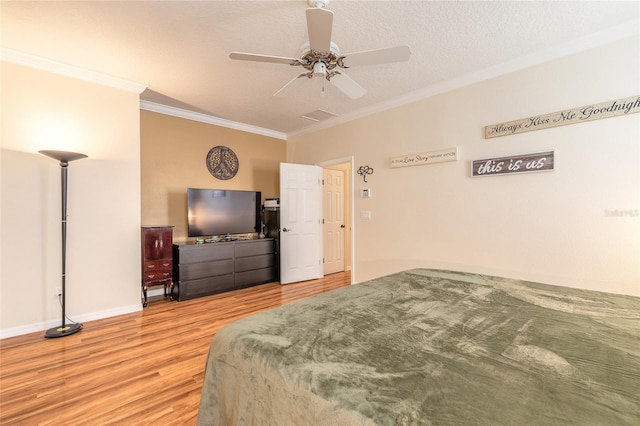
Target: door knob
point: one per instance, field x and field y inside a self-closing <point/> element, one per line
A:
<point x="286" y="230"/>
<point x="342" y="226"/>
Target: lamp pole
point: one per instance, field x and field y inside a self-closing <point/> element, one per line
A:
<point x="64" y="157"/>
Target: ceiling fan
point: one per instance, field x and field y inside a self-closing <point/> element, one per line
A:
<point x="321" y="57"/>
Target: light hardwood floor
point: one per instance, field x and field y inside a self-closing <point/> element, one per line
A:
<point x="140" y="368"/>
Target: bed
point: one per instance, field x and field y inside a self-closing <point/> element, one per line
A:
<point x="431" y="347"/>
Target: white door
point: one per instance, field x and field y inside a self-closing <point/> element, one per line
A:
<point x="300" y="222"/>
<point x="333" y="227"/>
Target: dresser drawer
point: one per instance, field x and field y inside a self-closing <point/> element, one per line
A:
<point x="152" y="276"/>
<point x="253" y="248"/>
<point x="254" y="262"/>
<point x="257" y="276"/>
<point x="206" y="286"/>
<point x="203" y="252"/>
<point x="157" y="265"/>
<point x="195" y="271"/>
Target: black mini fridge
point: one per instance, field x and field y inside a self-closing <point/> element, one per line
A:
<point x="271" y="229"/>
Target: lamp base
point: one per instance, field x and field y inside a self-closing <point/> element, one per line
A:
<point x="63" y="331"/>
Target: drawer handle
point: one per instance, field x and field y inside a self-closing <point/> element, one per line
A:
<point x="151" y="266"/>
<point x="166" y="264"/>
<point x="151" y="275"/>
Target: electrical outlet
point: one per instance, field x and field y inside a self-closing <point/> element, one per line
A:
<point x="58" y="291"/>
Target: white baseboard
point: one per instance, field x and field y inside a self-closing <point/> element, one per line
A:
<point x="32" y="328"/>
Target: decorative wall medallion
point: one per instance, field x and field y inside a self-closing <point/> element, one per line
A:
<point x="222" y="162"/>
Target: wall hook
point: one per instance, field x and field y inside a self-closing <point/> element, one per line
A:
<point x="364" y="171"/>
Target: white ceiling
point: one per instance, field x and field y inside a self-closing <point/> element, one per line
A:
<point x="180" y="49"/>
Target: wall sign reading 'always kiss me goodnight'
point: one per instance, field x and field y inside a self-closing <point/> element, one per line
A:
<point x="540" y="162"/>
<point x="562" y="118"/>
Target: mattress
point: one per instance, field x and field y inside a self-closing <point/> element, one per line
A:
<point x="431" y="347"/>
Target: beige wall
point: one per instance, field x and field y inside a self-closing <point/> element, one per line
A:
<point x="42" y="110"/>
<point x="550" y="227"/>
<point x="173" y="152"/>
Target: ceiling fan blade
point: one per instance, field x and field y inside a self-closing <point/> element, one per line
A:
<point x="263" y="58"/>
<point x="319" y="23"/>
<point x="291" y="86"/>
<point x="377" y="56"/>
<point x="348" y="86"/>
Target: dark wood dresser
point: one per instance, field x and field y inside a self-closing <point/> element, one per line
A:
<point x="157" y="259"/>
<point x="204" y="269"/>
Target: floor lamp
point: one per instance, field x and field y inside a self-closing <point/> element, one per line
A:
<point x="64" y="157"/>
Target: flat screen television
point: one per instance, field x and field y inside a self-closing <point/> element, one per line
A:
<point x="222" y="211"/>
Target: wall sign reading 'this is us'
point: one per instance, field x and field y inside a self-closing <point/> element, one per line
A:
<point x="561" y="118"/>
<point x="527" y="163"/>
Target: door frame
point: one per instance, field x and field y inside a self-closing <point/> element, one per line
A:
<point x="351" y="161"/>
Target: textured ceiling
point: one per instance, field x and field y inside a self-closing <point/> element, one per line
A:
<point x="180" y="49"/>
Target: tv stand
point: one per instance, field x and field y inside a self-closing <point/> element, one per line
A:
<point x="205" y="269"/>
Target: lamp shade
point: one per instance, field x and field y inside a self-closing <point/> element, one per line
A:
<point x="63" y="156"/>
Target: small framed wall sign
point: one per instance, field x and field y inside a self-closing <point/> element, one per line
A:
<point x="449" y="154"/>
<point x="528" y="163"/>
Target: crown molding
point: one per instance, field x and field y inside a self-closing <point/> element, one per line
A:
<point x="209" y="119"/>
<point x="44" y="64"/>
<point x="627" y="29"/>
<point x="611" y="35"/>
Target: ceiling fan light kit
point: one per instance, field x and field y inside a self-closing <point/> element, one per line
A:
<point x="320" y="57"/>
<point x="319" y="69"/>
<point x="318" y="3"/>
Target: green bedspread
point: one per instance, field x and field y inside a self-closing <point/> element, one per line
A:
<point x="431" y="347"/>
